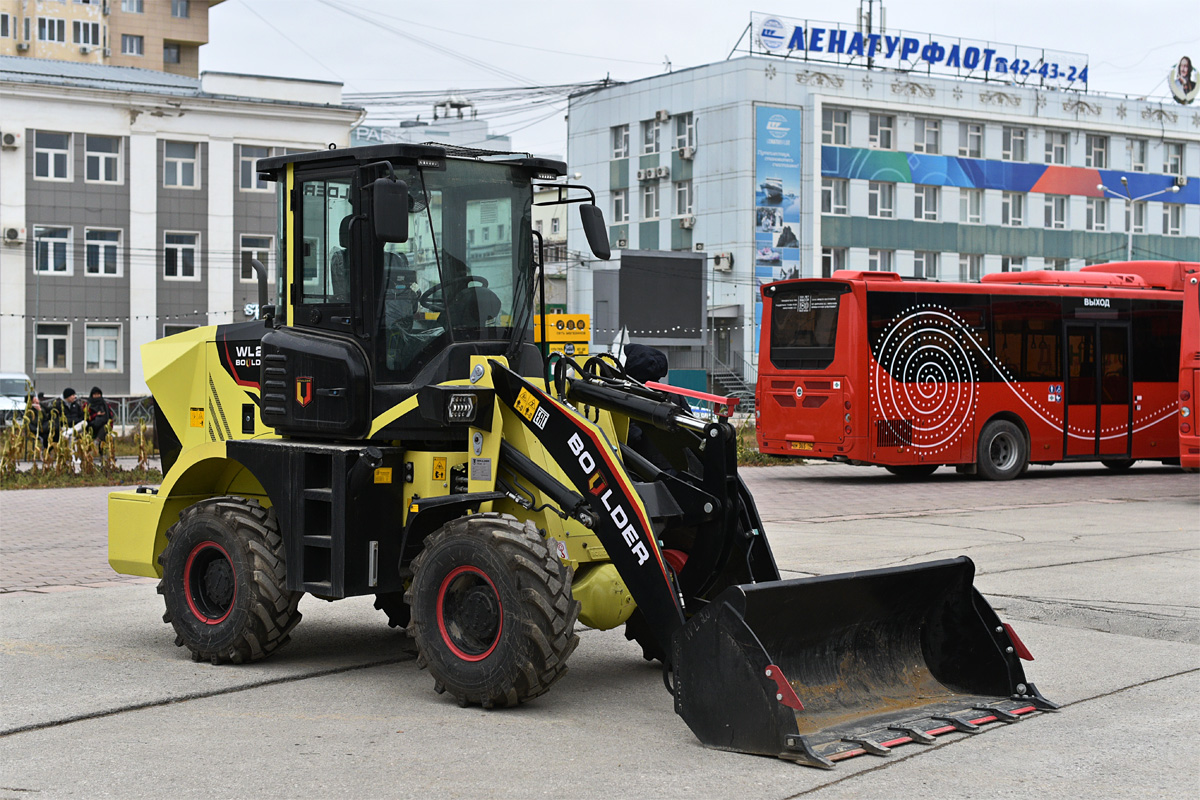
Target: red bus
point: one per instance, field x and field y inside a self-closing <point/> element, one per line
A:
<point x="1189" y="373"/>
<point x="989" y="377"/>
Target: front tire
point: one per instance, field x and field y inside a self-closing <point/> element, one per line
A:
<point x="492" y="612"/>
<point x="1002" y="453"/>
<point x="224" y="582"/>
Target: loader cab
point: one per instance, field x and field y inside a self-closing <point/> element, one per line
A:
<point x="373" y="307"/>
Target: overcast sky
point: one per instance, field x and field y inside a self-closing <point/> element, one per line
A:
<point x="506" y="43"/>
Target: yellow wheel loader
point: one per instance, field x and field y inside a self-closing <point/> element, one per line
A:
<point x="390" y="429"/>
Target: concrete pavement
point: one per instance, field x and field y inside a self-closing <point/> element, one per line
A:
<point x="1098" y="572"/>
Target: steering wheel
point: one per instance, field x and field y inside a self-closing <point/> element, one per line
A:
<point x="434" y="298"/>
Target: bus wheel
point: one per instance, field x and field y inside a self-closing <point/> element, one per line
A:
<point x="1002" y="453"/>
<point x="912" y="471"/>
<point x="1118" y="464"/>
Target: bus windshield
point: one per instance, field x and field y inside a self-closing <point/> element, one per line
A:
<point x="804" y="325"/>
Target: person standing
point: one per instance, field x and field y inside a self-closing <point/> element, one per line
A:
<point x="99" y="414"/>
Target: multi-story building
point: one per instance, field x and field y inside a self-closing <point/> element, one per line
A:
<point x="798" y="167"/>
<point x="128" y="201"/>
<point x="161" y="35"/>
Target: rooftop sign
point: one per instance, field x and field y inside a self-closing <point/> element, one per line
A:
<point x="928" y="53"/>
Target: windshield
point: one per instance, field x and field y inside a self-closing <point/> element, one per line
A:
<point x="465" y="273"/>
<point x="14" y="387"/>
<point x="804" y="325"/>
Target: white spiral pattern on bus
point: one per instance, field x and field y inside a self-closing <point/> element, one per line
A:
<point x="933" y="373"/>
<point x="933" y="358"/>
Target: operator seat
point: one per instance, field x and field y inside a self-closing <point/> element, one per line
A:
<point x="474" y="307"/>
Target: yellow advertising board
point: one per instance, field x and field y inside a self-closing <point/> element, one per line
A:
<point x="564" y="327"/>
<point x="568" y="348"/>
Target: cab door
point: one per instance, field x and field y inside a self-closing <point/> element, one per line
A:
<point x="1098" y="391"/>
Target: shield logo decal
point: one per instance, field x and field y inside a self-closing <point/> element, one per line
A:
<point x="304" y="391"/>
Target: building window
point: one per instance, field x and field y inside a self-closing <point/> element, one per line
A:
<point x="1012" y="264"/>
<point x="8" y="26"/>
<point x="132" y="45"/>
<point x="970" y="267"/>
<point x="102" y="251"/>
<point x="925" y="203"/>
<point x="1096" y="152"/>
<point x="1172" y="219"/>
<point x="1056" y="211"/>
<point x="970" y="139"/>
<point x="172" y="328"/>
<point x="86" y="33"/>
<point x="1138" y="149"/>
<point x="179" y="256"/>
<point x="131" y="6"/>
<point x="52" y="156"/>
<point x="620" y="201"/>
<point x="649" y="136"/>
<point x="179" y="9"/>
<point x="620" y="141"/>
<point x="102" y="348"/>
<point x="1097" y="214"/>
<point x="1173" y="158"/>
<point x="1013" y="144"/>
<point x="247" y="168"/>
<point x="832" y="259"/>
<point x="170" y="53"/>
<point x="1138" y="213"/>
<point x="179" y="164"/>
<point x="834" y="196"/>
<point x="1058" y="264"/>
<point x="259" y="247"/>
<point x="881" y="199"/>
<point x="487" y="233"/>
<point x="928" y="136"/>
<point x="685" y="131"/>
<point x="52" y="350"/>
<point x="683" y="198"/>
<point x="835" y="126"/>
<point x="1056" y="147"/>
<point x="970" y="206"/>
<point x="1012" y="209"/>
<point x="52" y="250"/>
<point x="52" y="30"/>
<point x="881" y="131"/>
<point x="881" y="260"/>
<point x="650" y="201"/>
<point x="925" y="265"/>
<point x="103" y="163"/>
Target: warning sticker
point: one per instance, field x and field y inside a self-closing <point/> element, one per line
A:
<point x="439" y="468"/>
<point x="562" y="550"/>
<point x="383" y="474"/>
<point x="197" y="418"/>
<point x="526" y="404"/>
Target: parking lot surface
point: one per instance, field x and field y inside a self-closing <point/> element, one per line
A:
<point x="1099" y="573"/>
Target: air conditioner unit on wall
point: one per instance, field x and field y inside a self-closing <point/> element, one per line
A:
<point x="662" y="115"/>
<point x="11" y="140"/>
<point x="687" y="223"/>
<point x="13" y="233"/>
<point x="687" y="153"/>
<point x="85" y="49"/>
<point x="22" y="47"/>
<point x="663" y="172"/>
<point x="723" y="262"/>
<point x="107" y="52"/>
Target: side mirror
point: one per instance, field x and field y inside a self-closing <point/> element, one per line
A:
<point x="595" y="230"/>
<point x="390" y="210"/>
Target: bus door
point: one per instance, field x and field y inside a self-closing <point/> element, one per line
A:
<point x="1097" y="398"/>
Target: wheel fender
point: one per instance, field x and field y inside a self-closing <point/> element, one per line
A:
<point x="138" y="519"/>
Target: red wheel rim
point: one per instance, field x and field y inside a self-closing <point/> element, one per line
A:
<point x="470" y="614"/>
<point x="210" y="583"/>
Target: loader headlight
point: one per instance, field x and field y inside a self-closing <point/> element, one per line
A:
<point x="462" y="408"/>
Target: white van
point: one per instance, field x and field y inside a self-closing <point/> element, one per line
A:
<point x="15" y="387"/>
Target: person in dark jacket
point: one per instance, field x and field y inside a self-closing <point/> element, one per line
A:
<point x="68" y="415"/>
<point x="99" y="414"/>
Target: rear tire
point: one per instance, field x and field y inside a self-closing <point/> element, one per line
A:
<point x="492" y="613"/>
<point x="1119" y="464"/>
<point x="912" y="471"/>
<point x="224" y="582"/>
<point x="1002" y="453"/>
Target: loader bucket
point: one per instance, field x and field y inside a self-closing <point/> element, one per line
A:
<point x="820" y="669"/>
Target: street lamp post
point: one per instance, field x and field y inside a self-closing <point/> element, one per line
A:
<point x="1129" y="201"/>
